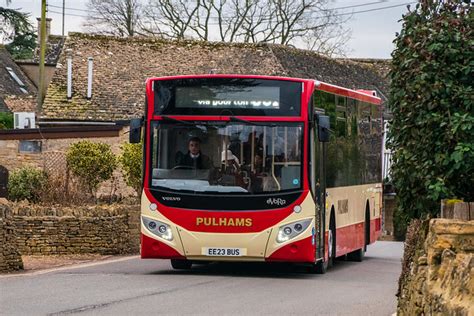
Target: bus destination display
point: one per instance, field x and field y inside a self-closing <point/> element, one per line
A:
<point x="231" y="96"/>
<point x="228" y="97"/>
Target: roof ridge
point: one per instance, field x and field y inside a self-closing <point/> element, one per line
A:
<point x="159" y="40"/>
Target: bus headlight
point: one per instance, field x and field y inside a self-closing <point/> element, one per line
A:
<point x="158" y="228"/>
<point x="291" y="230"/>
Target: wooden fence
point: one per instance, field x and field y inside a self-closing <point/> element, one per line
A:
<point x="456" y="209"/>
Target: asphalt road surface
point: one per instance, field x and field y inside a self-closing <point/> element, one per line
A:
<point x="133" y="286"/>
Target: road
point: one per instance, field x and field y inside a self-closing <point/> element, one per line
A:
<point x="134" y="286"/>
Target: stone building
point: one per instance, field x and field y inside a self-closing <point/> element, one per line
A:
<point x="120" y="68"/>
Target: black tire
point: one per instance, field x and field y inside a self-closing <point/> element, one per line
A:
<point x="181" y="264"/>
<point x="356" y="255"/>
<point x="367" y="226"/>
<point x="332" y="239"/>
<point x="319" y="267"/>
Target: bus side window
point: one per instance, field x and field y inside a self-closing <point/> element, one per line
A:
<point x="341" y="116"/>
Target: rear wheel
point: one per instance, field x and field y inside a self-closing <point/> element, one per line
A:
<point x="332" y="240"/>
<point x="367" y="226"/>
<point x="181" y="264"/>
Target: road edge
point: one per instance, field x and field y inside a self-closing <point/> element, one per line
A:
<point x="69" y="267"/>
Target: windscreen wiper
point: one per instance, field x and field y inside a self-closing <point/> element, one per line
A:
<point x="236" y="119"/>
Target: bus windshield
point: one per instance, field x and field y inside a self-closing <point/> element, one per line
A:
<point x="226" y="158"/>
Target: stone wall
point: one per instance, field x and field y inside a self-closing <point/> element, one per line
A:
<point x="10" y="259"/>
<point x="438" y="271"/>
<point x="110" y="229"/>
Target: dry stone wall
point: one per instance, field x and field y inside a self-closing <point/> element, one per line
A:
<point x="438" y="272"/>
<point x="10" y="258"/>
<point x="41" y="230"/>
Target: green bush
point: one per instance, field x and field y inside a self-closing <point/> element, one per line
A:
<point x="432" y="101"/>
<point x="26" y="184"/>
<point x="131" y="162"/>
<point x="91" y="162"/>
<point x="6" y="120"/>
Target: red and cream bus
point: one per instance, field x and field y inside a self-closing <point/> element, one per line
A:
<point x="258" y="168"/>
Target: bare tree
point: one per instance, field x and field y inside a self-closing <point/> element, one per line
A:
<point x="331" y="42"/>
<point x="287" y="22"/>
<point x="116" y="17"/>
<point x="171" y="18"/>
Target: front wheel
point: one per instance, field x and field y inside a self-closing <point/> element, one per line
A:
<point x="181" y="264"/>
<point x="319" y="267"/>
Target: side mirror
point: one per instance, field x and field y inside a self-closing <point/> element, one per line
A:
<point x="323" y="128"/>
<point x="135" y="130"/>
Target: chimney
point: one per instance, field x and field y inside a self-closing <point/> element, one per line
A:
<point x="48" y="28"/>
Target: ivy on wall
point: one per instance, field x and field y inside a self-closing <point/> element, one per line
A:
<point x="432" y="101"/>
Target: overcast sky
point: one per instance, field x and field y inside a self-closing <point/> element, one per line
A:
<point x="372" y="32"/>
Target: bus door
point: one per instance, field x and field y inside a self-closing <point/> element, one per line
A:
<point x="318" y="182"/>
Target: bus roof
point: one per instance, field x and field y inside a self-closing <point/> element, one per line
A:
<point x="361" y="95"/>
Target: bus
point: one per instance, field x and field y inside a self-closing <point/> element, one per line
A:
<point x="258" y="168"/>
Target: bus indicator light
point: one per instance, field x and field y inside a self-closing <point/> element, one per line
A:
<point x="153" y="207"/>
<point x="297" y="209"/>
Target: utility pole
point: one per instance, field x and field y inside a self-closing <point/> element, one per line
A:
<point x="42" y="56"/>
<point x="64" y="9"/>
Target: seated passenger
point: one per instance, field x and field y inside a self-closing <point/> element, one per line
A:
<point x="229" y="162"/>
<point x="230" y="174"/>
<point x="258" y="174"/>
<point x="194" y="158"/>
<point x="262" y="179"/>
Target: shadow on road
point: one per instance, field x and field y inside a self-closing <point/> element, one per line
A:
<point x="256" y="269"/>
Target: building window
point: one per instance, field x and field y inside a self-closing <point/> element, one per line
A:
<point x="29" y="146"/>
<point x="17" y="79"/>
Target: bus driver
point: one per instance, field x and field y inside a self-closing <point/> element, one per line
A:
<point x="194" y="158"/>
